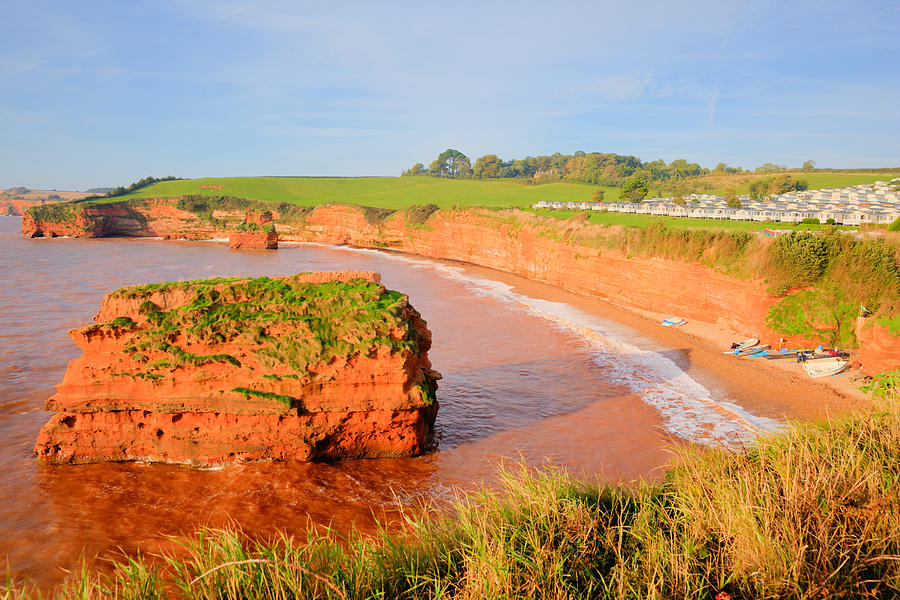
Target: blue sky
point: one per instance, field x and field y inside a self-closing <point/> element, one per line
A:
<point x="98" y="93"/>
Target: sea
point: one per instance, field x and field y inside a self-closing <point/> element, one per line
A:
<point x="529" y="381"/>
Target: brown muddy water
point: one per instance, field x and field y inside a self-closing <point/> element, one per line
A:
<point x="525" y="379"/>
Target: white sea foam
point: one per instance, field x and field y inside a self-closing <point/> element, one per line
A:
<point x="687" y="408"/>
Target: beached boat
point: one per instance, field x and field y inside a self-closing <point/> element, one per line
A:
<point x="752" y="351"/>
<point x="737" y="346"/>
<point x="820" y="353"/>
<point x="826" y="366"/>
<point x="783" y="353"/>
<point x="674" y="322"/>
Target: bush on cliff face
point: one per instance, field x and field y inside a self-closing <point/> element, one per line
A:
<point x="418" y="215"/>
<point x="841" y="274"/>
<point x="799" y="258"/>
<point x="811" y="513"/>
<point x="376" y="216"/>
<point x="820" y="314"/>
<point x="55" y="213"/>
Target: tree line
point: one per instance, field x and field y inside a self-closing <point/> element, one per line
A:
<point x="599" y="168"/>
<point x="635" y="178"/>
<point x="121" y="190"/>
<point x="587" y="167"/>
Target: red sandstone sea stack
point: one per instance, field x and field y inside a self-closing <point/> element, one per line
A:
<point x="257" y="232"/>
<point x="315" y="366"/>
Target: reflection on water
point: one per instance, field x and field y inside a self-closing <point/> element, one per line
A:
<point x="516" y="385"/>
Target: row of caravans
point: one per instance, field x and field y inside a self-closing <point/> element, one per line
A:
<point x="734" y="214"/>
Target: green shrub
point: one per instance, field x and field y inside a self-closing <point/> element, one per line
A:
<point x="419" y="215"/>
<point x="57" y="212"/>
<point x="885" y="385"/>
<point x="800" y="258"/>
<point x="375" y="216"/>
<point x="816" y="315"/>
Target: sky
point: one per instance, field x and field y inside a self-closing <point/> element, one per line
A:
<point x="100" y="93"/>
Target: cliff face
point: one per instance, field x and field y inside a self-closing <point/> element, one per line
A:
<point x="879" y="349"/>
<point x="533" y="251"/>
<point x="253" y="240"/>
<point x="152" y="218"/>
<point x="317" y="366"/>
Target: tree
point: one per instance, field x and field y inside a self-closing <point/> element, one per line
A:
<point x="488" y="165"/>
<point x="635" y="189"/>
<point x="770" y="168"/>
<point x="783" y="184"/>
<point x="809" y="165"/>
<point x="734" y="203"/>
<point x="598" y="195"/>
<point x="451" y="163"/>
<point x="417" y="169"/>
<point x="759" y="188"/>
<point x="679" y="201"/>
<point x="730" y="193"/>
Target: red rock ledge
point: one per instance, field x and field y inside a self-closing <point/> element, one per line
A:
<point x="257" y="232"/>
<point x="315" y="366"/>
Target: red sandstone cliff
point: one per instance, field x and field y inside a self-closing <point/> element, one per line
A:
<point x="152" y="218"/>
<point x="246" y="369"/>
<point x="879" y="349"/>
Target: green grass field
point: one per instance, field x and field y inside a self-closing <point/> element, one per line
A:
<point x="378" y="192"/>
<point x="401" y="192"/>
<point x="631" y="220"/>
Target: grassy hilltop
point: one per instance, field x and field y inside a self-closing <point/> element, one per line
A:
<point x="394" y="193"/>
<point x="402" y="192"/>
<point x="377" y="192"/>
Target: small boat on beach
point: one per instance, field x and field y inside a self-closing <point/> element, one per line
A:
<point x="752" y="351"/>
<point x="737" y="346"/>
<point x="783" y="353"/>
<point x="674" y="322"/>
<point x="804" y="356"/>
<point x="826" y="366"/>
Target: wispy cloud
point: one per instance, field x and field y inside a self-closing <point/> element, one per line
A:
<point x="240" y="9"/>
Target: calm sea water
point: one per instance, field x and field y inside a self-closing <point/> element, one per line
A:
<point x="525" y="379"/>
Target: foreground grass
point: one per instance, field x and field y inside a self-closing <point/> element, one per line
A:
<point x="376" y="192"/>
<point x="811" y="513"/>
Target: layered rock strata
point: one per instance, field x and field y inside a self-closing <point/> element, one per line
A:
<point x="317" y="366"/>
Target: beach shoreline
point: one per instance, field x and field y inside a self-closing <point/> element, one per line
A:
<point x="773" y="389"/>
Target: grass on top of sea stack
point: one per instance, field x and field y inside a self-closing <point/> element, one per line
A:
<point x="813" y="512"/>
<point x="293" y="322"/>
